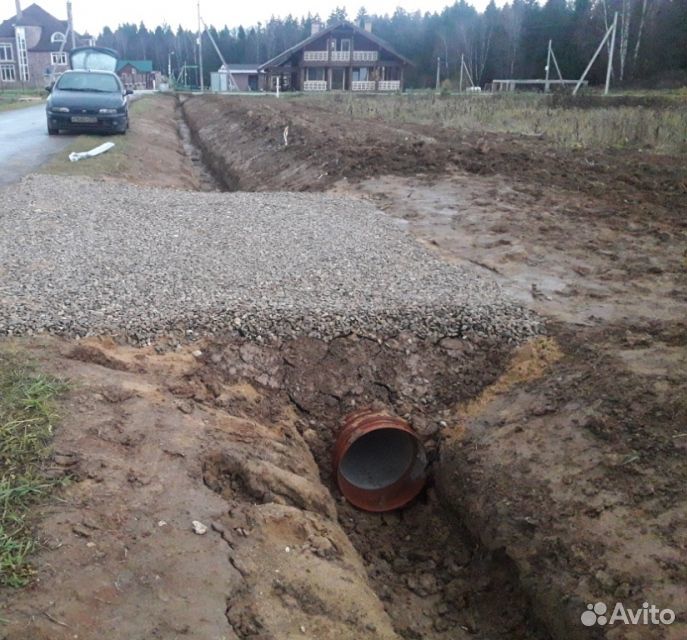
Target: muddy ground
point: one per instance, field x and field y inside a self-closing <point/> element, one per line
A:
<point x="557" y="470"/>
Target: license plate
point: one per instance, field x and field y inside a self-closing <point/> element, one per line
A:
<point x="84" y="119"/>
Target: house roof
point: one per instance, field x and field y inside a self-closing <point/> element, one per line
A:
<point x="241" y="68"/>
<point x="142" y="66"/>
<point x="284" y="56"/>
<point x="36" y="16"/>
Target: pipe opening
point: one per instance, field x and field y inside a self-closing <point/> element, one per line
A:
<point x="379" y="459"/>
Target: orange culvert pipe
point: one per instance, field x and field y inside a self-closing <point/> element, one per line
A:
<point x="379" y="461"/>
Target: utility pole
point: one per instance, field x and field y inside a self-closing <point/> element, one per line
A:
<point x="438" y="71"/>
<point x="547" y="86"/>
<point x="462" y="64"/>
<point x="611" y="30"/>
<point x="609" y="69"/>
<point x="231" y="83"/>
<point x="200" y="49"/>
<point x="70" y="24"/>
<point x="169" y="68"/>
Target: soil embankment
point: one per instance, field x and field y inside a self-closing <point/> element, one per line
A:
<point x="574" y="472"/>
<point x="556" y="475"/>
<point x="237" y="436"/>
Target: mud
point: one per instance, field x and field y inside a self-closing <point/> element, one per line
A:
<point x="556" y="471"/>
<point x="243" y="139"/>
<point x="236" y="437"/>
<point x="568" y="465"/>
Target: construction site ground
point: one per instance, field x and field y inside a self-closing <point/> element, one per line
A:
<point x="557" y="464"/>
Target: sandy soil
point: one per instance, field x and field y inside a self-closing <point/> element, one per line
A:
<point x="557" y="471"/>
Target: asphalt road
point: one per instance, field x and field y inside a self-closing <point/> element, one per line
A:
<point x="24" y="142"/>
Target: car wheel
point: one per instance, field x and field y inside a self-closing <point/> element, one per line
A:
<point x="53" y="132"/>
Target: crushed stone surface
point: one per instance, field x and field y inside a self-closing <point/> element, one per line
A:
<point x="83" y="257"/>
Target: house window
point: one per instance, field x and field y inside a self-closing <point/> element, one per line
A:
<point x="58" y="57"/>
<point x="6" y="51"/>
<point x="7" y="73"/>
<point x="22" y="53"/>
<point x="345" y="44"/>
<point x="57" y="37"/>
<point x="315" y="73"/>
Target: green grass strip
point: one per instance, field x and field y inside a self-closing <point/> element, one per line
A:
<point x="27" y="415"/>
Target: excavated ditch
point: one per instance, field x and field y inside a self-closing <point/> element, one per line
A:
<point x="207" y="179"/>
<point x="432" y="576"/>
<point x="215" y="173"/>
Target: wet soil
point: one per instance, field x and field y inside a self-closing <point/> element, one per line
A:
<point x="244" y="138"/>
<point x="575" y="473"/>
<point x="557" y="471"/>
<point x="236" y="437"/>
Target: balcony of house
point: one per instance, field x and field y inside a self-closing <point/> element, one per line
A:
<point x="314" y="85"/>
<point x="315" y="56"/>
<point x="363" y="85"/>
<point x="340" y="56"/>
<point x="389" y="85"/>
<point x="365" y="56"/>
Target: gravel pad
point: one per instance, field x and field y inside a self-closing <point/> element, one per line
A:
<point x="83" y="257"/>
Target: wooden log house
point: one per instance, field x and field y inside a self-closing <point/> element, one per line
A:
<point x="341" y="57"/>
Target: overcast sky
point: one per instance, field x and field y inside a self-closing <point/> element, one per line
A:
<point x="92" y="15"/>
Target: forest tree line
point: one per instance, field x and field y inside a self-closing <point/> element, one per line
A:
<point x="501" y="42"/>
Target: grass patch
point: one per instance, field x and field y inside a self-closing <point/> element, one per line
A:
<point x="10" y="100"/>
<point x="113" y="163"/>
<point x="27" y="414"/>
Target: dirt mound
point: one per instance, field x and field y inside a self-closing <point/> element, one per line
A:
<point x="579" y="476"/>
<point x="242" y="139"/>
<point x="265" y="145"/>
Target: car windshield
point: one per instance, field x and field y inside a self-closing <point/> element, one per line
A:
<point x="99" y="82"/>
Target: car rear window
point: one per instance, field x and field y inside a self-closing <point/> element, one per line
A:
<point x="88" y="82"/>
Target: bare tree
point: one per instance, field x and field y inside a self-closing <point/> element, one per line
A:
<point x="638" y="41"/>
<point x="512" y="25"/>
<point x="476" y="43"/>
<point x="627" y="9"/>
<point x="625" y="17"/>
<point x="444" y="42"/>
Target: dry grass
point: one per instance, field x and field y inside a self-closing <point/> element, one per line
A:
<point x="657" y="122"/>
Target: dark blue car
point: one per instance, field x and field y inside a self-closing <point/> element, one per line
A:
<point x="88" y="101"/>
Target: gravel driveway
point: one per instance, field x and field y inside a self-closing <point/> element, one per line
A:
<point x="80" y="257"/>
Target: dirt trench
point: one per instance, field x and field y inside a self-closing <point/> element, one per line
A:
<point x="556" y="474"/>
<point x="432" y="577"/>
<point x="517" y="459"/>
<point x="238" y="436"/>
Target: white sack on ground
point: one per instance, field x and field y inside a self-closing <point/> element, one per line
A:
<point x="76" y="156"/>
